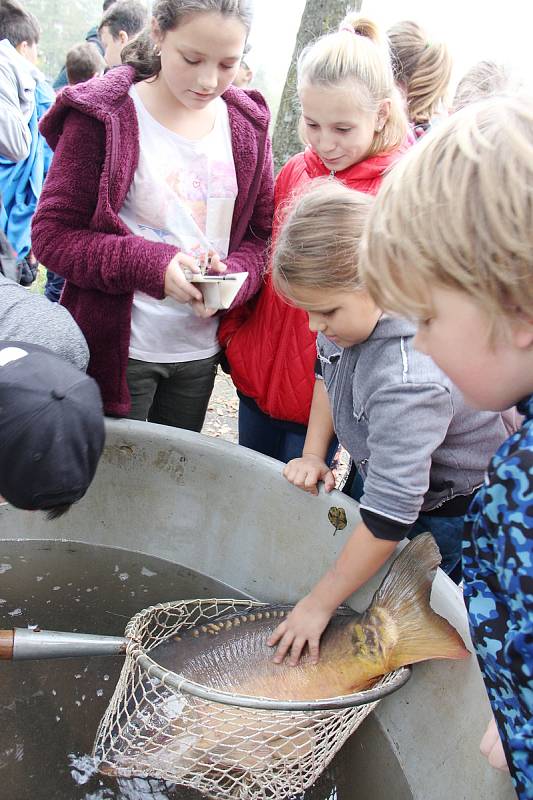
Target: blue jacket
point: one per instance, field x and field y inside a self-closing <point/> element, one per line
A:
<point x="498" y="590"/>
<point x="21" y="183"/>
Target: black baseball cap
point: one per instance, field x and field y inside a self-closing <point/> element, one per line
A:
<point x="51" y="428"/>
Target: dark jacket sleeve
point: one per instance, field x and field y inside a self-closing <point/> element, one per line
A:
<point x="251" y="255"/>
<point x="63" y="235"/>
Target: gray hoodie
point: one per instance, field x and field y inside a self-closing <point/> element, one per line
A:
<point x="406" y="426"/>
<point x="32" y="318"/>
<point x="17" y="99"/>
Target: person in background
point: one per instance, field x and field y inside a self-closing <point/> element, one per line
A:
<point x="92" y="37"/>
<point x="21" y="183"/>
<point x="29" y="317"/>
<point x="449" y="244"/>
<point x="159" y="166"/>
<point x="83" y="63"/>
<point x="122" y="22"/>
<point x="422" y="69"/>
<point x="245" y="74"/>
<point x="484" y="79"/>
<point x="17" y="102"/>
<point x="51" y="429"/>
<point x="355" y="128"/>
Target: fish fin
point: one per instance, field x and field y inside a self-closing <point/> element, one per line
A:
<point x="415" y="632"/>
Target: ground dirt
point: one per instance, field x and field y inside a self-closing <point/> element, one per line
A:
<point x="221" y="419"/>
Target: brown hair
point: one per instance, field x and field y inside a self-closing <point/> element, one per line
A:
<point x="18" y="25"/>
<point x="83" y="62"/>
<point x="422" y="68"/>
<point x="141" y="53"/>
<point x="318" y="245"/>
<point x="129" y="16"/>
<point x="356" y="54"/>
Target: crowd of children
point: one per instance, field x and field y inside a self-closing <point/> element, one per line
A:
<point x="388" y="303"/>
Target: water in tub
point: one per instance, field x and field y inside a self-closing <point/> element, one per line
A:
<point x="50" y="710"/>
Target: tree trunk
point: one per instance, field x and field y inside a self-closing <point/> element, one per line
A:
<point x="319" y="17"/>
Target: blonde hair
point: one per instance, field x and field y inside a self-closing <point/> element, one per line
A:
<point x="457" y="212"/>
<point x="484" y="79"/>
<point x="318" y="245"/>
<point x="421" y="67"/>
<point x="357" y="54"/>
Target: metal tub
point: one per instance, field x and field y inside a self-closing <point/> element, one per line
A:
<point x="228" y="513"/>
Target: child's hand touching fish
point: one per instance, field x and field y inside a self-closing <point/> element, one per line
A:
<point x="304" y="625"/>
<point x="305" y="472"/>
<point x="362" y="556"/>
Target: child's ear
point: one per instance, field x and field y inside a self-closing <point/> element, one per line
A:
<point x="383" y="115"/>
<point x="123" y="38"/>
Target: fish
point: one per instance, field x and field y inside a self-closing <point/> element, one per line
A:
<point x="398" y="628"/>
<point x="210" y="746"/>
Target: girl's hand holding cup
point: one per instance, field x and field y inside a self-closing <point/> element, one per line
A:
<point x="176" y="284"/>
<point x="214" y="265"/>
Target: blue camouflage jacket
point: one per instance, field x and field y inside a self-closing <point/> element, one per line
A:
<point x="498" y="588"/>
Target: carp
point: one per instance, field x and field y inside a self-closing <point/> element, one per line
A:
<point x="398" y="628"/>
<point x="237" y="752"/>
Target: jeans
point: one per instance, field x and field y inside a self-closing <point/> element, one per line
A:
<point x="172" y="394"/>
<point x="53" y="287"/>
<point x="447" y="531"/>
<point x="276" y="438"/>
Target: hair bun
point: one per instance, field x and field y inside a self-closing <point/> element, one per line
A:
<point x="362" y="26"/>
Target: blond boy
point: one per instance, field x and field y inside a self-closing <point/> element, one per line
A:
<point x="449" y="243"/>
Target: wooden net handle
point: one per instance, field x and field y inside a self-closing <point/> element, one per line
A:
<point x="7" y="641"/>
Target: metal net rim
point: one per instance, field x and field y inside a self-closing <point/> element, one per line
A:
<point x="386" y="684"/>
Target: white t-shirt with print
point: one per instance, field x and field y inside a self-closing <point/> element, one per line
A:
<point x="183" y="193"/>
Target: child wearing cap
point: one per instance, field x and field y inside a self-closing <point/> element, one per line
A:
<point x="449" y="243"/>
<point x="51" y="429"/>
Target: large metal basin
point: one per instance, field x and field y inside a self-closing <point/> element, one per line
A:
<point x="228" y="513"/>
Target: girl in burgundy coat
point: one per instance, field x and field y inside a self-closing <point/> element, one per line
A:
<point x="355" y="126"/>
<point x="158" y="164"/>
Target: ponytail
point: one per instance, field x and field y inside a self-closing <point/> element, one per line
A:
<point x="421" y="67"/>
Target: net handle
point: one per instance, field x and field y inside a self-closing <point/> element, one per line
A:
<point x="180" y="684"/>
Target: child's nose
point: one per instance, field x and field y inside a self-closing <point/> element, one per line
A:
<point x="208" y="79"/>
<point x="316" y="323"/>
<point x="327" y="143"/>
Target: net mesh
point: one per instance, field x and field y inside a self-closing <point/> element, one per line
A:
<point x="155" y="727"/>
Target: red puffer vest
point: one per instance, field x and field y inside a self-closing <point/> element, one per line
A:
<point x="269" y="347"/>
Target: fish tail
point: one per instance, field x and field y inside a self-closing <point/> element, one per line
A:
<point x="416" y="632"/>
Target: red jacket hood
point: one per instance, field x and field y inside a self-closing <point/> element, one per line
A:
<point x="367" y="170"/>
<point x="102" y="97"/>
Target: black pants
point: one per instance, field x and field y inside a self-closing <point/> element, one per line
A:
<point x="172" y="394"/>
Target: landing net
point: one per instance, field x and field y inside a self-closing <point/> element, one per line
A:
<point x="224" y="745"/>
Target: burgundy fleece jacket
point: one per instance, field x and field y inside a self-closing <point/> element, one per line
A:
<point x="78" y="234"/>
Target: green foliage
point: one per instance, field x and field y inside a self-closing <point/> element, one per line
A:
<point x="63" y="24"/>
